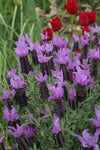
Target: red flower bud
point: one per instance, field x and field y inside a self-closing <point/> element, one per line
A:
<point x="83" y="18"/>
<point x="56" y="24"/>
<point x="41" y="42"/>
<point x="48" y="32"/>
<point x="85" y="29"/>
<point x="78" y="50"/>
<point x="71" y="6"/>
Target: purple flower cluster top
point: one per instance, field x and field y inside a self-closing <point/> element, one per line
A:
<point x="96" y="123"/>
<point x="89" y="141"/>
<point x="82" y="77"/>
<point x="7" y="94"/>
<point x="17" y="82"/>
<point x="16" y="132"/>
<point x="10" y="116"/>
<point x="21" y="47"/>
<point x="57" y="92"/>
<point x="56" y="128"/>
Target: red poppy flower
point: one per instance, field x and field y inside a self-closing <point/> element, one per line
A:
<point x="83" y="18"/>
<point x="71" y="6"/>
<point x="56" y="24"/>
<point x="48" y="32"/>
<point x="86" y="28"/>
<point x="92" y="17"/>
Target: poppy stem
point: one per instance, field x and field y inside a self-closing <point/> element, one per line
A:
<point x="72" y="18"/>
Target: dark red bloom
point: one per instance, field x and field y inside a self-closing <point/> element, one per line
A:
<point x="71" y="6"/>
<point x="84" y="18"/>
<point x="92" y="16"/>
<point x="78" y="50"/>
<point x="56" y="24"/>
<point x="48" y="32"/>
<point x="86" y="28"/>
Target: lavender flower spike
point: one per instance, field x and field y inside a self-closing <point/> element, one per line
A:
<point x="20" y="139"/>
<point x="58" y="137"/>
<point x="43" y="58"/>
<point x="56" y="91"/>
<point x="2" y="147"/>
<point x="73" y="102"/>
<point x="56" y="129"/>
<point x="22" y="47"/>
<point x="76" y="38"/>
<point x="57" y="96"/>
<point x="96" y="122"/>
<point x="41" y="77"/>
<point x="1" y="139"/>
<point x="85" y="41"/>
<point x="7" y="94"/>
<point x="11" y="73"/>
<point x="29" y="131"/>
<point x="72" y="92"/>
<point x="10" y="116"/>
<point x="95" y="30"/>
<point x="16" y="132"/>
<point x="89" y="141"/>
<point x="17" y="83"/>
<point x="94" y="54"/>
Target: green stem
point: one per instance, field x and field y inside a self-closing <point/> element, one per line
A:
<point x="21" y="30"/>
<point x="72" y="18"/>
<point x="44" y="6"/>
<point x="13" y="24"/>
<point x="37" y="123"/>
